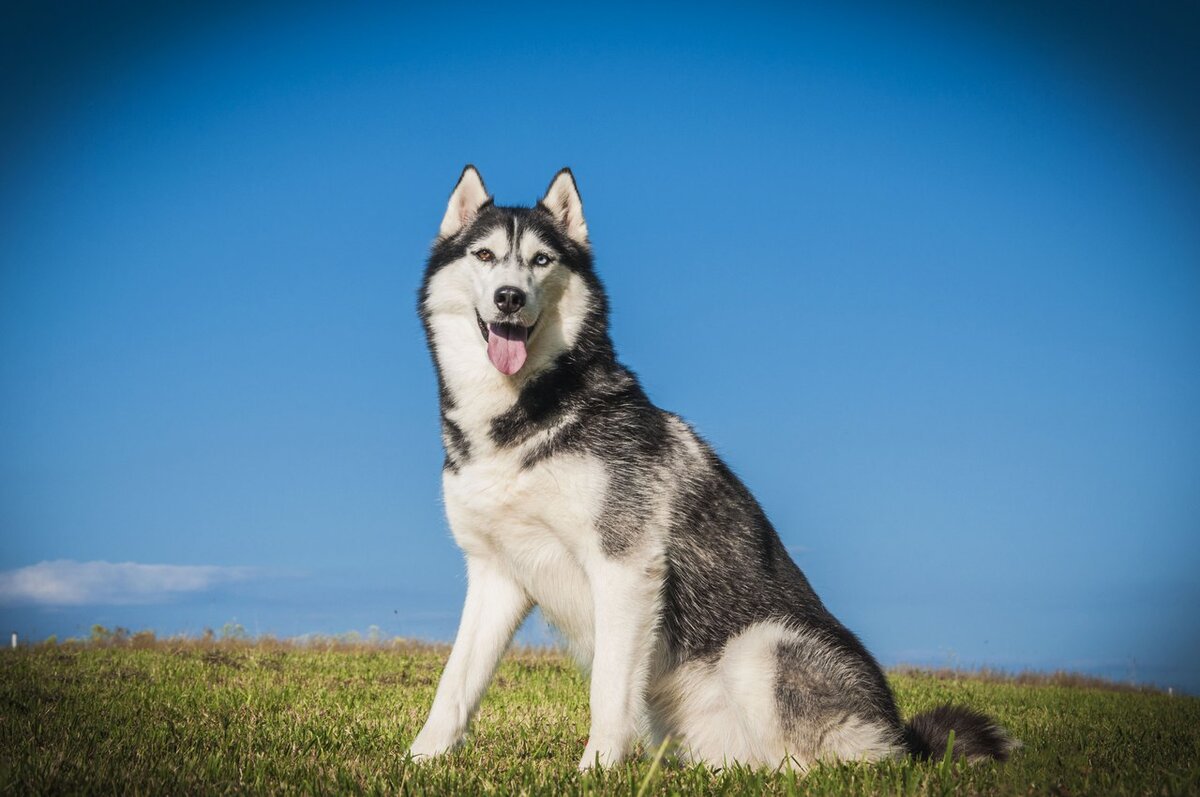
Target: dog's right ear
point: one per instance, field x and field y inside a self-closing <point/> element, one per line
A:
<point x="468" y="197"/>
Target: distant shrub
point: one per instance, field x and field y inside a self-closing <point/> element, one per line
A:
<point x="104" y="636"/>
<point x="234" y="630"/>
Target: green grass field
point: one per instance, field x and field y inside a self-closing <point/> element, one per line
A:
<point x="190" y="717"/>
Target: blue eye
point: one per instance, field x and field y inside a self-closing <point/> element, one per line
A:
<point x="541" y="259"/>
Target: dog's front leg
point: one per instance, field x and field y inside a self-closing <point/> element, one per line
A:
<point x="626" y="599"/>
<point x="494" y="607"/>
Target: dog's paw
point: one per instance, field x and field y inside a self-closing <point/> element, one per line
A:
<point x="426" y="746"/>
<point x="597" y="756"/>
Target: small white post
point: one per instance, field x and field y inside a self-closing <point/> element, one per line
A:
<point x="14" y="640"/>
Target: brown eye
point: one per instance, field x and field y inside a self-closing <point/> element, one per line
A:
<point x="484" y="254"/>
<point x="541" y="259"/>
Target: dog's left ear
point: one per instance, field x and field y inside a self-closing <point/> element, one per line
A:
<point x="563" y="202"/>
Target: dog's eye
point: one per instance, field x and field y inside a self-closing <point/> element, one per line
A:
<point x="484" y="254"/>
<point x="541" y="259"/>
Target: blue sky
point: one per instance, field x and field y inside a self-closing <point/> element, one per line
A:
<point x="958" y="253"/>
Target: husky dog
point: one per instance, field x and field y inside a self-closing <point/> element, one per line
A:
<point x="567" y="489"/>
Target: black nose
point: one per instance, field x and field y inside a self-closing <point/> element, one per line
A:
<point x="510" y="299"/>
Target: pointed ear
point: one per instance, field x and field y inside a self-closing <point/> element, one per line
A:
<point x="468" y="197"/>
<point x="563" y="202"/>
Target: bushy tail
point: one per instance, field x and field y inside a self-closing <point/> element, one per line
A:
<point x="976" y="736"/>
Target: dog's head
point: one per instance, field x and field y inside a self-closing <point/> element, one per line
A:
<point x="521" y="277"/>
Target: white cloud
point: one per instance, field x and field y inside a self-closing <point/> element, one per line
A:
<point x="65" y="582"/>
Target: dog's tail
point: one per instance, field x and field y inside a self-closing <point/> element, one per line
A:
<point x="977" y="737"/>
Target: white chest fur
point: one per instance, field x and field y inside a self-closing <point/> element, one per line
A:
<point x="539" y="524"/>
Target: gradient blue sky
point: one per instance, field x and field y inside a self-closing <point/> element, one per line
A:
<point x="928" y="278"/>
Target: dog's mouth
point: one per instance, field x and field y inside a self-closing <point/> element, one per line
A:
<point x="506" y="343"/>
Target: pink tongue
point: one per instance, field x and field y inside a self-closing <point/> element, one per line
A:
<point x="506" y="347"/>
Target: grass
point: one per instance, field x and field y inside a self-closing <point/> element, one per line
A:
<point x="180" y="717"/>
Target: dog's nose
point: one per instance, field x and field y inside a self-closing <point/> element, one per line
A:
<point x="510" y="299"/>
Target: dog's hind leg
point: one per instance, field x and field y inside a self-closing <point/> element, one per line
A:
<point x="494" y="607"/>
<point x="722" y="710"/>
<point x="831" y="704"/>
<point x="775" y="696"/>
